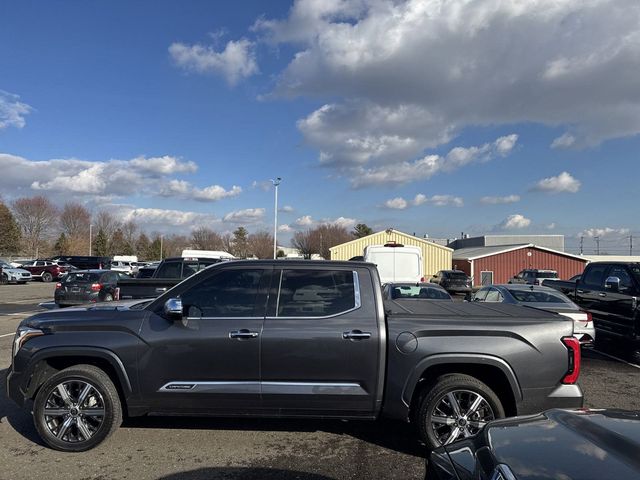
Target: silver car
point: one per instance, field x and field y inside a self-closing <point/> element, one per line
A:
<point x="544" y="298"/>
<point x="11" y="274"/>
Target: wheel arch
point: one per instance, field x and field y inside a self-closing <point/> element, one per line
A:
<point x="492" y="371"/>
<point x="49" y="361"/>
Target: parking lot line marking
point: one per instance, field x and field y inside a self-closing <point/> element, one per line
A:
<point x="616" y="358"/>
<point x="7" y="334"/>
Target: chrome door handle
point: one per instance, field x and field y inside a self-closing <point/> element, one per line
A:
<point x="243" y="334"/>
<point x="579" y="291"/>
<point x="602" y="294"/>
<point x="356" y="335"/>
<point x="160" y="290"/>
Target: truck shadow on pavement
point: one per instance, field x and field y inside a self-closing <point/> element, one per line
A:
<point x="392" y="435"/>
<point x="244" y="473"/>
<point x="17" y="417"/>
<point x="396" y="436"/>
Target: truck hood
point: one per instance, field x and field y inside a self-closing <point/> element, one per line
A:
<point x="99" y="313"/>
<point x="585" y="444"/>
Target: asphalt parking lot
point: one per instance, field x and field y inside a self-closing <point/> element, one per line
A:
<point x="177" y="448"/>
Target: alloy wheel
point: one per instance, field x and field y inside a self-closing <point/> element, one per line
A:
<point x="74" y="411"/>
<point x="459" y="414"/>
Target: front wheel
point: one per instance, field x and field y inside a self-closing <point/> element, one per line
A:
<point x="47" y="277"/>
<point x="108" y="298"/>
<point x="77" y="409"/>
<point x="455" y="407"/>
<point x="4" y="279"/>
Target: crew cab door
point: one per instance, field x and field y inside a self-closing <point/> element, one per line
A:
<point x="321" y="345"/>
<point x="208" y="362"/>
<point x="619" y="303"/>
<point x="591" y="295"/>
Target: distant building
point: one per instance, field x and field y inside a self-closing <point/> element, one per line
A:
<point x="555" y="242"/>
<point x="435" y="256"/>
<point x="497" y="264"/>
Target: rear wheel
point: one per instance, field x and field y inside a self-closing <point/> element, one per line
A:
<point x="77" y="409"/>
<point x="47" y="277"/>
<point x="108" y="298"/>
<point x="455" y="407"/>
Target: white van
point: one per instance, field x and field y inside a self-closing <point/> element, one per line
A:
<point x="395" y="262"/>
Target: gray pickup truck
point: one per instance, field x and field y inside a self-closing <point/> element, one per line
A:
<point x="290" y="339"/>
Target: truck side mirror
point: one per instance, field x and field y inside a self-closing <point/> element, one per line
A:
<point x="173" y="309"/>
<point x="612" y="283"/>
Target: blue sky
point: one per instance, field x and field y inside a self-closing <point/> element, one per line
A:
<point x="427" y="117"/>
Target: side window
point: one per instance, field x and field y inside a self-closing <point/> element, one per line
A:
<point x="169" y="270"/>
<point x="481" y="295"/>
<point x="316" y="293"/>
<point x="493" y="296"/>
<point x="39" y="264"/>
<point x="625" y="279"/>
<point x="595" y="275"/>
<point x="230" y="293"/>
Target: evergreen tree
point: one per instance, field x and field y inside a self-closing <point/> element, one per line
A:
<point x="9" y="232"/>
<point x="361" y="230"/>
<point x="241" y="242"/>
<point x="142" y="247"/>
<point x="101" y="244"/>
<point x="62" y="245"/>
<point x="153" y="250"/>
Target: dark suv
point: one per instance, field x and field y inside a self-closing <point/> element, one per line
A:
<point x="87" y="286"/>
<point x="453" y="281"/>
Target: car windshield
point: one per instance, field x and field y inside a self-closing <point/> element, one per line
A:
<point x="538" y="296"/>
<point x="635" y="270"/>
<point x="547" y="275"/>
<point x="82" y="277"/>
<point x="418" y="291"/>
<point x="458" y="275"/>
<point x="5" y="265"/>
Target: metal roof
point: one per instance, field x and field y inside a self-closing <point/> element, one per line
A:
<point x="474" y="253"/>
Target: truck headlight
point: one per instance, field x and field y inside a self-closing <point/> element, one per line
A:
<point x="22" y="335"/>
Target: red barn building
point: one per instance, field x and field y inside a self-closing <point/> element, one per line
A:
<point x="497" y="264"/>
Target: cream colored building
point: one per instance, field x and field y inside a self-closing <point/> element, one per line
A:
<point x="435" y="257"/>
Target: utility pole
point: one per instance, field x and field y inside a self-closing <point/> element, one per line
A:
<point x="581" y="244"/>
<point x="597" y="239"/>
<point x="275" y="182"/>
<point x="90" y="228"/>
<point x="630" y="245"/>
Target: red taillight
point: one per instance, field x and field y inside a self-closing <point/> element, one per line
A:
<point x="421" y="279"/>
<point x="58" y="286"/>
<point x="589" y="317"/>
<point x="96" y="287"/>
<point x="573" y="372"/>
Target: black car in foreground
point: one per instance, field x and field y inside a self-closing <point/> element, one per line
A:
<point x="87" y="286"/>
<point x="453" y="281"/>
<point x="556" y="444"/>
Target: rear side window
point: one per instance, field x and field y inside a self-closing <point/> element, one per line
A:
<point x="81" y="278"/>
<point x="481" y="295"/>
<point x="170" y="270"/>
<point x="316" y="293"/>
<point x="595" y="275"/>
<point x="493" y="296"/>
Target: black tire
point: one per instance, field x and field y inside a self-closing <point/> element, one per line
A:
<point x="433" y="396"/>
<point x="47" y="277"/>
<point x="4" y="279"/>
<point x="108" y="298"/>
<point x="102" y="397"/>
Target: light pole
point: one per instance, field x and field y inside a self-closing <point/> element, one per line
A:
<point x="90" y="228"/>
<point x="161" y="237"/>
<point x="275" y="182"/>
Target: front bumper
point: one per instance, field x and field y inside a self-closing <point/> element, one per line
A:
<point x="536" y="400"/>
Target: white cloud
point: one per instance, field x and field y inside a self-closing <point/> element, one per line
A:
<point x="514" y="222"/>
<point x="561" y="183"/>
<point x="602" y="232"/>
<point x="565" y="140"/>
<point x="286" y="209"/>
<point x="162" y="218"/>
<point x="112" y="178"/>
<point x="500" y="200"/>
<point x="397" y="203"/>
<point x="285" y="228"/>
<point x="428" y="166"/>
<point x="345" y="222"/>
<point x="551" y="226"/>
<point x="419" y="199"/>
<point x="572" y="63"/>
<point x="248" y="215"/>
<point x="446" y="201"/>
<point x="235" y="62"/>
<point x="304" y="221"/>
<point x="12" y="110"/>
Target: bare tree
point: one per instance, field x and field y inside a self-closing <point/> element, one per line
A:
<point x="303" y="242"/>
<point x="174" y="245"/>
<point x="75" y="220"/>
<point x="204" y="238"/>
<point x="329" y="235"/>
<point x="227" y="243"/>
<point x="261" y="244"/>
<point x="106" y="222"/>
<point x="37" y="218"/>
<point x="130" y="231"/>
